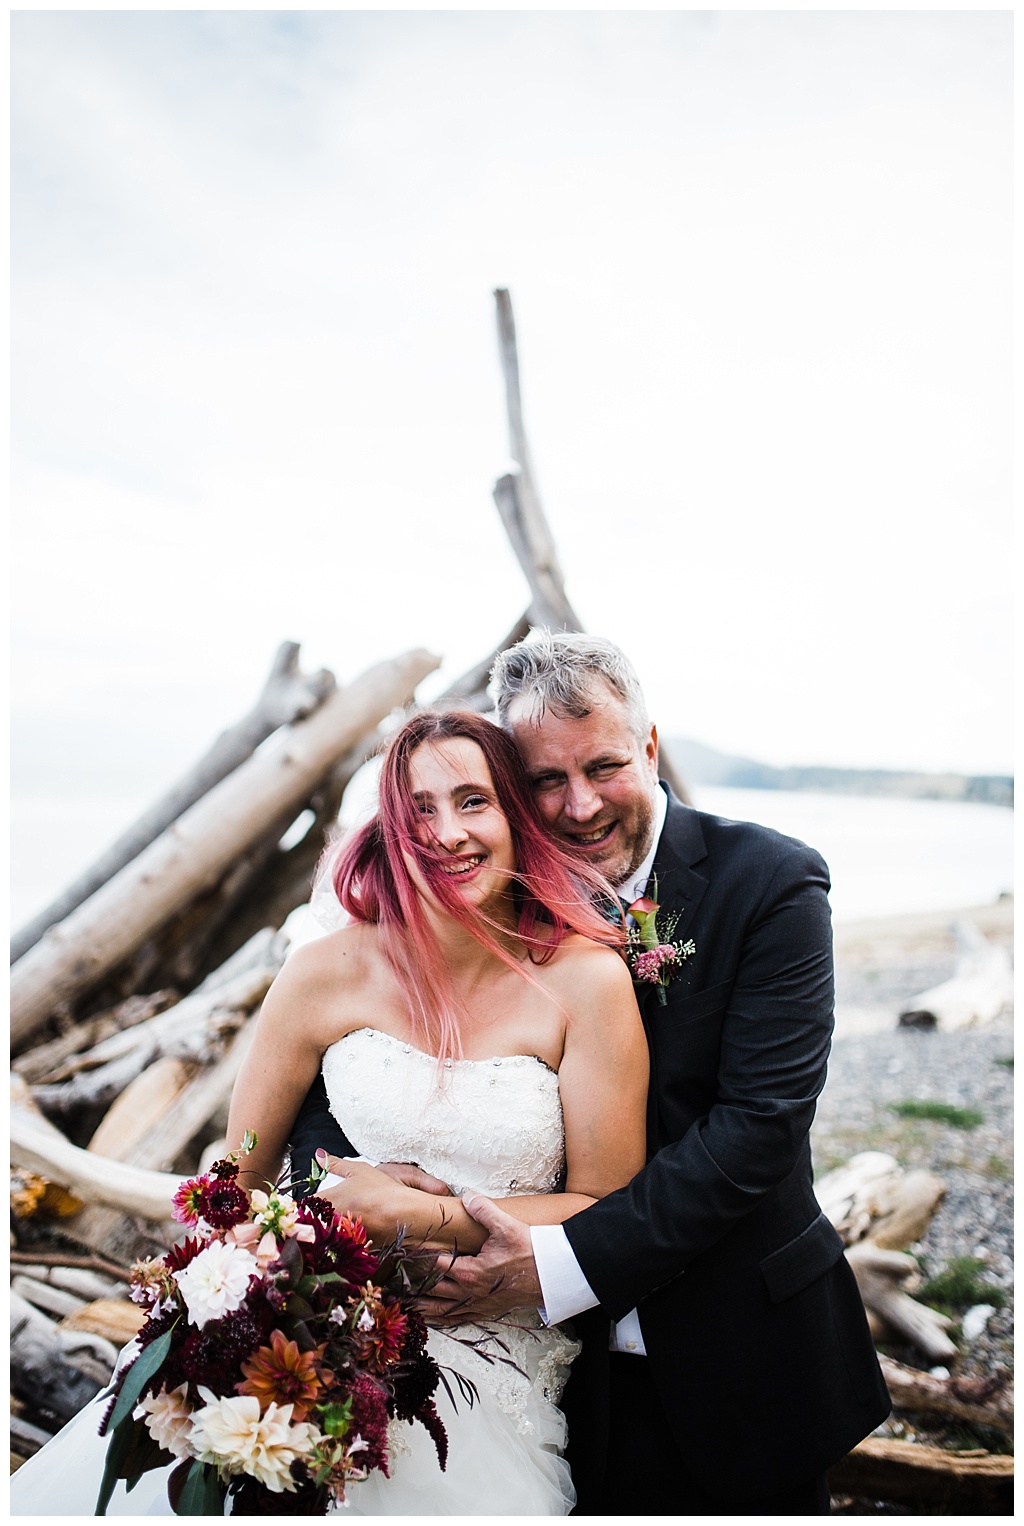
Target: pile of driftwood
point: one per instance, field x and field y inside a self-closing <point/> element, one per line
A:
<point x="879" y="1210"/>
<point x="133" y="998"/>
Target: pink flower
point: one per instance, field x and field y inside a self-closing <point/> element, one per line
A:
<point x="644" y="906"/>
<point x="189" y="1202"/>
<point x="652" y="961"/>
<point x="246" y="1235"/>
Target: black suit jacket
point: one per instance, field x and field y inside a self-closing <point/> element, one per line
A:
<point x="756" y="1336"/>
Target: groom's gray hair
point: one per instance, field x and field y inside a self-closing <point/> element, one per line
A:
<point x="556" y="671"/>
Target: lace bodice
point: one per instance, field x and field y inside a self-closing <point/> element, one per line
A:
<point x="493" y="1126"/>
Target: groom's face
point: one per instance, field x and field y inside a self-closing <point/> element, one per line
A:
<point x="593" y="780"/>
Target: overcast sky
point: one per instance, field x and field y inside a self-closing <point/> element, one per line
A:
<point x="761" y="270"/>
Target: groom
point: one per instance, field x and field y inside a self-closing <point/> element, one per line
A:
<point x="727" y="1361"/>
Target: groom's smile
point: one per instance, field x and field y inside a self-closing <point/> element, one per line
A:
<point x="593" y="780"/>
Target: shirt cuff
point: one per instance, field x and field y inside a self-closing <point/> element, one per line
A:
<point x="563" y="1286"/>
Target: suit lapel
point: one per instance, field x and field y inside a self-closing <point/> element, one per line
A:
<point x="680" y="887"/>
<point x="679" y="893"/>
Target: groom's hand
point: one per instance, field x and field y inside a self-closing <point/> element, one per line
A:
<point x="502" y="1275"/>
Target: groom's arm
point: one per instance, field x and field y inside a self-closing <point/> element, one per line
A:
<point x="775" y="1042"/>
<point x="314" y="1129"/>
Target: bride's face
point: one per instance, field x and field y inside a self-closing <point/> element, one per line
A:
<point x="461" y="820"/>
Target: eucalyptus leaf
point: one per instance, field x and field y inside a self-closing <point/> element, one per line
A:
<point x="117" y="1450"/>
<point x="195" y="1496"/>
<point x="149" y="1361"/>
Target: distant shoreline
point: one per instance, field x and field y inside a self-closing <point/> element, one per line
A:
<point x="700" y="764"/>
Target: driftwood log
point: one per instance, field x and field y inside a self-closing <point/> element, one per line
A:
<point x="41" y="1370"/>
<point x="72" y="958"/>
<point x="60" y="1058"/>
<point x="287" y="696"/>
<point x="193" y="1030"/>
<point x="877" y="1207"/>
<point x="987" y="1402"/>
<point x="964" y="1483"/>
<point x="978" y="992"/>
<point x="39" y="1146"/>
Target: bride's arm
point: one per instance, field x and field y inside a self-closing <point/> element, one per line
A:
<point x="602" y="1082"/>
<point x="603" y="1085"/>
<point x="282" y="1062"/>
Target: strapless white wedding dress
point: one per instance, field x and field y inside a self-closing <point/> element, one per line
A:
<point x="491" y="1126"/>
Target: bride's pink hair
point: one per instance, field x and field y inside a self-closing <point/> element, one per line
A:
<point x="553" y="892"/>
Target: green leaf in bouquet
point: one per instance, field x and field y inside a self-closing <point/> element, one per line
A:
<point x="293" y="1322"/>
<point x="144" y="1454"/>
<point x="149" y="1361"/>
<point x="202" y="1493"/>
<point x="117" y="1451"/>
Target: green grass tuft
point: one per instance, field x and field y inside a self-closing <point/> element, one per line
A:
<point x="941" y="1112"/>
<point x="1007" y="1060"/>
<point x="959" y="1286"/>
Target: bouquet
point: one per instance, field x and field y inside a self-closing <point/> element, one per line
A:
<point x="278" y="1346"/>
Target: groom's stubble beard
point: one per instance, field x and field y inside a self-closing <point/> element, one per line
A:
<point x="624" y="862"/>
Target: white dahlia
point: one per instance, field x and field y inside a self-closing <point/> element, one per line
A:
<point x="233" y="1435"/>
<point x="169" y="1419"/>
<point x="216" y="1281"/>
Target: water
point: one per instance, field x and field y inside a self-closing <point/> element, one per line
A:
<point x="886" y="855"/>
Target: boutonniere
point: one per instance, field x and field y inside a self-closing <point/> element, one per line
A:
<point x="652" y="957"/>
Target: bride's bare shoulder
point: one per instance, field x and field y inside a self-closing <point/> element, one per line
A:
<point x="333" y="963"/>
<point x="584" y="969"/>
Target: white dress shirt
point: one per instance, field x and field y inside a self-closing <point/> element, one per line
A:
<point x="565" y="1289"/>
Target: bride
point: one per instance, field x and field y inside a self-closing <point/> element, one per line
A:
<point x="473" y="1019"/>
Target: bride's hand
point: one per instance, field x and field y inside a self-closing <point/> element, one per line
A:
<point x="414" y="1176"/>
<point x="370" y="1193"/>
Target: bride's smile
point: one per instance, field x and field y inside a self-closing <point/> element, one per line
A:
<point x="461" y="820"/>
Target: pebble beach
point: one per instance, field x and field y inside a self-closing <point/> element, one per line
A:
<point x="877" y="1067"/>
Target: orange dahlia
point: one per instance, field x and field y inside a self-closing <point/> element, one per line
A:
<point x="379" y="1329"/>
<point x="282" y="1374"/>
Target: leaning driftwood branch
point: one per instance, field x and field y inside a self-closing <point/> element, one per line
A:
<point x="287" y="695"/>
<point x="527" y="527"/>
<point x="518" y="503"/>
<point x="61" y="1058"/>
<point x="72" y="958"/>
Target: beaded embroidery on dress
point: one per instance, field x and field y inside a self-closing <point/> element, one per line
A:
<point x="492" y="1126"/>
